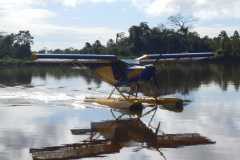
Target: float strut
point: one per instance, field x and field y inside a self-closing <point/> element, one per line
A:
<point x="111" y="93"/>
<point x="148" y="93"/>
<point x="136" y="91"/>
<point x="130" y="92"/>
<point x="121" y="93"/>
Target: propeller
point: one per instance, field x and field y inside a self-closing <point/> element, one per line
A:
<point x="155" y="80"/>
<point x="158" y="57"/>
<point x="152" y="69"/>
<point x="154" y="74"/>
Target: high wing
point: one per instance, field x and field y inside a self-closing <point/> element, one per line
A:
<point x="86" y="58"/>
<point x="69" y="58"/>
<point x="176" y="57"/>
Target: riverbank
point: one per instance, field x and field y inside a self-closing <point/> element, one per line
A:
<point x="8" y="61"/>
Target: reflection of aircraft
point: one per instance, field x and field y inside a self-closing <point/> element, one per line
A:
<point x="120" y="73"/>
<point x="111" y="136"/>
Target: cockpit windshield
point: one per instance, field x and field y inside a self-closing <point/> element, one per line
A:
<point x="130" y="62"/>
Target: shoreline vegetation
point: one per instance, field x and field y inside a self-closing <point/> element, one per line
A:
<point x="15" y="49"/>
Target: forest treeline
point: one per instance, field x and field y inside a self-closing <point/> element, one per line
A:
<point x="141" y="40"/>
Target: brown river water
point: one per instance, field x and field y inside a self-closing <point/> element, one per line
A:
<point x="43" y="116"/>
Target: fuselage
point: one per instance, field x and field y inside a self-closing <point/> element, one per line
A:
<point x="122" y="74"/>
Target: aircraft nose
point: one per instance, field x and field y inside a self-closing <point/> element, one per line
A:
<point x="151" y="68"/>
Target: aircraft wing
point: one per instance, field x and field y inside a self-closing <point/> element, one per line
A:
<point x="177" y="57"/>
<point x="70" y="58"/>
<point x="93" y="59"/>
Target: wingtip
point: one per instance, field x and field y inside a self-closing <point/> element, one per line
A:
<point x="33" y="57"/>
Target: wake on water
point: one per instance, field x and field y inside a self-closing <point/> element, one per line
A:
<point x="23" y="96"/>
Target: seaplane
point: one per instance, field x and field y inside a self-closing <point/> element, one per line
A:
<point x="124" y="73"/>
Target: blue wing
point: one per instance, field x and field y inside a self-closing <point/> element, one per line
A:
<point x="178" y="57"/>
<point x="70" y="58"/>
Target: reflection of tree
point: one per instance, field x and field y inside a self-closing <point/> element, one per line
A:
<point x="107" y="137"/>
<point x="65" y="72"/>
<point x="15" y="76"/>
<point x="23" y="75"/>
<point x="181" y="78"/>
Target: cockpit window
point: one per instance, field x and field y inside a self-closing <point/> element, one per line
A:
<point x="130" y="62"/>
<point x="118" y="71"/>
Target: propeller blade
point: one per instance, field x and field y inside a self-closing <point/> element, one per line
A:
<point x="156" y="82"/>
<point x="158" y="57"/>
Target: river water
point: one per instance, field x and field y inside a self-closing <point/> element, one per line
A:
<point x="43" y="116"/>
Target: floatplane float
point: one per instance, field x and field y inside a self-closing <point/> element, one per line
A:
<point x="124" y="73"/>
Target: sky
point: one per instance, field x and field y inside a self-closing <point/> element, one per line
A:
<point x="71" y="23"/>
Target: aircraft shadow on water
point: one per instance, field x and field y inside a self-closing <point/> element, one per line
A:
<point x="109" y="137"/>
<point x="124" y="73"/>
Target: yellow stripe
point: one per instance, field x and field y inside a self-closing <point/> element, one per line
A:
<point x="134" y="73"/>
<point x="106" y="72"/>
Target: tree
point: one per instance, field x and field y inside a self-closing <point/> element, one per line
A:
<point x="88" y="46"/>
<point x="110" y="43"/>
<point x="194" y="42"/>
<point x="135" y="34"/>
<point x="120" y="35"/>
<point x="2" y="35"/>
<point x="235" y="43"/>
<point x="97" y="47"/>
<point x="23" y="37"/>
<point x="97" y="44"/>
<point x="43" y="50"/>
<point x="146" y="31"/>
<point x="23" y="51"/>
<point x="225" y="42"/>
<point x="205" y="44"/>
<point x="180" y="21"/>
<point x="8" y="40"/>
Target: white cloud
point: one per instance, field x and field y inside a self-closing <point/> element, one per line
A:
<point x="214" y="31"/>
<point x="217" y="9"/>
<point x="70" y="2"/>
<point x="203" y="9"/>
<point x="73" y="3"/>
<point x="15" y="17"/>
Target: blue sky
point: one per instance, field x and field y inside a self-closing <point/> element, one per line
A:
<point x="71" y="23"/>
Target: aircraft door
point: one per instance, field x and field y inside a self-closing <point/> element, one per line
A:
<point x="118" y="71"/>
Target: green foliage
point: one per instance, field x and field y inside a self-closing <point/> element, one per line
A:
<point x="23" y="37"/>
<point x="15" y="45"/>
<point x="8" y="61"/>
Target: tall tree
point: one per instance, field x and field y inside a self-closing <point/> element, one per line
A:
<point x="183" y="23"/>
<point x="120" y="35"/>
<point x="110" y="43"/>
<point x="97" y="47"/>
<point x="146" y="31"/>
<point x="88" y="46"/>
<point x="225" y="42"/>
<point x="23" y="37"/>
<point x="235" y="43"/>
<point x="135" y="34"/>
